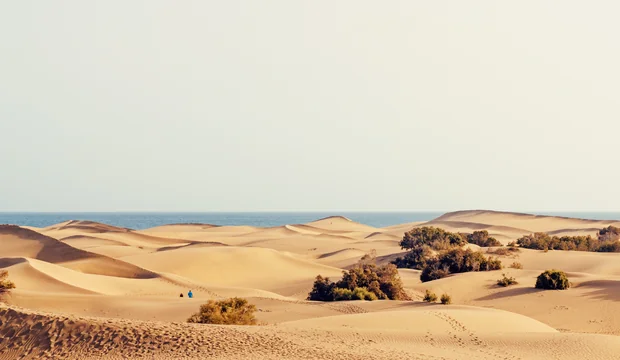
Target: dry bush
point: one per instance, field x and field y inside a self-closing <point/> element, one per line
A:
<point x="504" y="251"/>
<point x="506" y="281"/>
<point x="516" y="265"/>
<point x="233" y="311"/>
<point x="5" y="283"/>
<point x="552" y="280"/>
<point x="430" y="296"/>
<point x="446" y="299"/>
<point x="610" y="233"/>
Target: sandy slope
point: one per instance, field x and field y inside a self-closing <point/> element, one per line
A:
<point x="91" y="290"/>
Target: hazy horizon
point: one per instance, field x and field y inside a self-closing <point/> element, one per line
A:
<point x="207" y="106"/>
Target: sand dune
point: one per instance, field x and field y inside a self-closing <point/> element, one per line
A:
<point x="234" y="266"/>
<point x="26" y="243"/>
<point x="91" y="290"/>
<point x="49" y="335"/>
<point x="533" y="223"/>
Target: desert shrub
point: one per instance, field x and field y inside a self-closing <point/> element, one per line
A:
<point x="458" y="261"/>
<point x="512" y="244"/>
<point x="504" y="251"/>
<point x="430" y="296"/>
<point x="435" y="238"/>
<point x="233" y="311"/>
<point x="506" y="281"/>
<point x="482" y="238"/>
<point x="552" y="280"/>
<point x="341" y="294"/>
<point x="446" y="299"/>
<point x="610" y="233"/>
<point x="416" y="258"/>
<point x="5" y="283"/>
<point x="607" y="241"/>
<point x="383" y="282"/>
<point x="516" y="265"/>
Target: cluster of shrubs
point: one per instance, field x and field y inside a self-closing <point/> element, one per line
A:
<point x="430" y="297"/>
<point x="439" y="253"/>
<point x="5" y="283"/>
<point x="233" y="311"/>
<point x="457" y="261"/>
<point x="607" y="241"/>
<point x="365" y="281"/>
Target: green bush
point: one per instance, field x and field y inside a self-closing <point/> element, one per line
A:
<point x="341" y="294"/>
<point x="383" y="282"/>
<point x="458" y="261"/>
<point x="446" y="299"/>
<point x="416" y="258"/>
<point x="552" y="280"/>
<point x="233" y="311"/>
<point x="607" y="241"/>
<point x="435" y="238"/>
<point x="430" y="296"/>
<point x="5" y="283"/>
<point x="506" y="281"/>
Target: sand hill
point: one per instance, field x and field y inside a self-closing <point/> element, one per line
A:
<point x="88" y="290"/>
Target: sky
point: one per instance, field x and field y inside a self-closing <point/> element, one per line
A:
<point x="309" y="105"/>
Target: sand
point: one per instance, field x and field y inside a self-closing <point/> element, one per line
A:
<point x="93" y="291"/>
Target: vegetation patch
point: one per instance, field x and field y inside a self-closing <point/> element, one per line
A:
<point x="607" y="241"/>
<point x="516" y="265"/>
<point x="446" y="299"/>
<point x="506" y="281"/>
<point x="233" y="311"/>
<point x="5" y="283"/>
<point x="430" y="296"/>
<point x="552" y="280"/>
<point x="365" y="281"/>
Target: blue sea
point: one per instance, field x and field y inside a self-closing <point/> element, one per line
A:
<point x="137" y="220"/>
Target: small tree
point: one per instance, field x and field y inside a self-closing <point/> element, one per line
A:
<point x="233" y="311"/>
<point x="5" y="283"/>
<point x="322" y="290"/>
<point x="446" y="299"/>
<point x="552" y="280"/>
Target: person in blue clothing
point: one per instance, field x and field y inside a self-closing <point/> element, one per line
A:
<point x="190" y="294"/>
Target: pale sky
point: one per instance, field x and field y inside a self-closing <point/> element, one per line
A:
<point x="309" y="105"/>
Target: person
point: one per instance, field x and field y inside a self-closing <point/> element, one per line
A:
<point x="190" y="294"/>
<point x="181" y="295"/>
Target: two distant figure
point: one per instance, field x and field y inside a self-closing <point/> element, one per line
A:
<point x="190" y="294"/>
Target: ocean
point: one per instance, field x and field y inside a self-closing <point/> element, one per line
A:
<point x="143" y="220"/>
